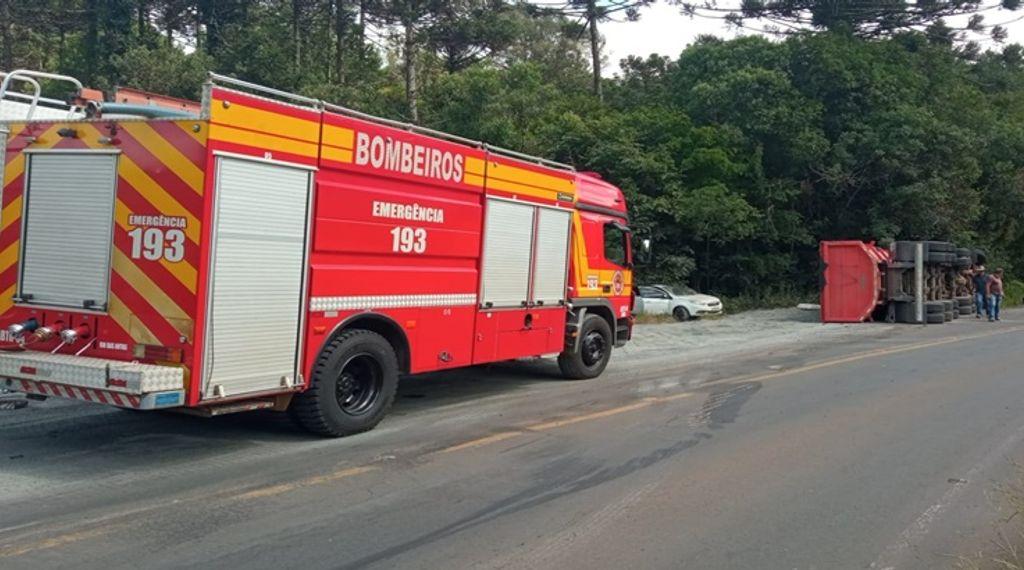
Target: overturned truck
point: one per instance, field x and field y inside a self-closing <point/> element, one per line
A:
<point x="924" y="282"/>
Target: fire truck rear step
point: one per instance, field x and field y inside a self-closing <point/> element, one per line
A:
<point x="126" y="384"/>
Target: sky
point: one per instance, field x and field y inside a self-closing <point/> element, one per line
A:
<point x="663" y="30"/>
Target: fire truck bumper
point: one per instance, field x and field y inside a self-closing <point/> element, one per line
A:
<point x="99" y="380"/>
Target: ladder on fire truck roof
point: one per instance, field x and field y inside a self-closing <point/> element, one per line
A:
<point x="320" y="105"/>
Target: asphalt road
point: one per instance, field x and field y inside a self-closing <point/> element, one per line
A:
<point x="877" y="449"/>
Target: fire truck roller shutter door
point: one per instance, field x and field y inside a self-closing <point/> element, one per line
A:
<point x="550" y="266"/>
<point x="508" y="242"/>
<point x="68" y="224"/>
<point x="257" y="276"/>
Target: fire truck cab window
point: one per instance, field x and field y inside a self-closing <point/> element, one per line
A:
<point x="615" y="244"/>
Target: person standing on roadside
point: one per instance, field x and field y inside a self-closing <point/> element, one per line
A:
<point x="994" y="291"/>
<point x="980" y="281"/>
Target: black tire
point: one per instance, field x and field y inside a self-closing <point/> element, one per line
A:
<point x="905" y="313"/>
<point x="935" y="318"/>
<point x="962" y="262"/>
<point x="948" y="305"/>
<point x="948" y="316"/>
<point x="966" y="311"/>
<point x="941" y="257"/>
<point x="934" y="307"/>
<point x="681" y="314"/>
<point x="939" y="246"/>
<point x="963" y="252"/>
<point x="965" y="301"/>
<point x="353" y="385"/>
<point x="595" y="349"/>
<point x="905" y="250"/>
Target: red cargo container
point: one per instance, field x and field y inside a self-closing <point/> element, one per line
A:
<point x="852" y="280"/>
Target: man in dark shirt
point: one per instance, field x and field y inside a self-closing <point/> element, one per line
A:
<point x="980" y="297"/>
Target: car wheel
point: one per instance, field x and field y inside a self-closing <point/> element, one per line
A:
<point x="681" y="314"/>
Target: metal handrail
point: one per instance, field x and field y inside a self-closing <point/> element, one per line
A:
<point x="216" y="77"/>
<point x="29" y="76"/>
<point x="322" y="105"/>
<point x="35" y="85"/>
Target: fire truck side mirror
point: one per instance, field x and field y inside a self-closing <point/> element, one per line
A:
<point x="643" y="253"/>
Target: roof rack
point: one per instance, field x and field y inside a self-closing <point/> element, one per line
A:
<point x="320" y="105"/>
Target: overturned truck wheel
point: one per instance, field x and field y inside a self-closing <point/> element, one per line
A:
<point x="593" y="349"/>
<point x="353" y="385"/>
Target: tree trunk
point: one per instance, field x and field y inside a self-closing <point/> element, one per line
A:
<point x="707" y="264"/>
<point x="340" y="29"/>
<point x="362" y="22"/>
<point x="141" y="20"/>
<point x="410" y="72"/>
<point x="296" y="36"/>
<point x="6" y="23"/>
<point x="595" y="47"/>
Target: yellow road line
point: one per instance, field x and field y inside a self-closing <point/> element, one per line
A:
<point x="308" y="482"/>
<point x="586" y="417"/>
<point x="53" y="542"/>
<point x="495" y="438"/>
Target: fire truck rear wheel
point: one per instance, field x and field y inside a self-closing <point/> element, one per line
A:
<point x="595" y="348"/>
<point x="353" y="385"/>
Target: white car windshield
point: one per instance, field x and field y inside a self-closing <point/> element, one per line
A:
<point x="680" y="290"/>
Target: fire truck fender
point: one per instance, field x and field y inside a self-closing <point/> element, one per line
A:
<point x="580" y="308"/>
<point x="383" y="325"/>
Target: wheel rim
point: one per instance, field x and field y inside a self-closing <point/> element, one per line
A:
<point x="682" y="314"/>
<point x="594" y="347"/>
<point x="359" y="384"/>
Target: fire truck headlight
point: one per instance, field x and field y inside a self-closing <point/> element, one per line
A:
<point x="20" y="329"/>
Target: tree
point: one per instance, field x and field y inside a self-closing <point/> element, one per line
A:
<point x="588" y="14"/>
<point x="865" y="19"/>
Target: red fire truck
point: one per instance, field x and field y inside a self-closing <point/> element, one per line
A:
<point x="263" y="250"/>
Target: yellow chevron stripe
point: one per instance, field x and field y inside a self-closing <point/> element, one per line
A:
<point x="9" y="256"/>
<point x="168" y="154"/>
<point x="17" y="165"/>
<point x="7" y="299"/>
<point x="10" y="214"/>
<point x="239" y="115"/>
<point x="519" y="189"/>
<point x="14" y="169"/>
<point x="336" y="154"/>
<point x="139" y="332"/>
<point x="153" y="192"/>
<point x="474" y="165"/>
<point x="473" y="180"/>
<point x="263" y="141"/>
<point x="187" y="127"/>
<point x="339" y="136"/>
<point x="182" y="270"/>
<point x="151" y="292"/>
<point x="517" y="175"/>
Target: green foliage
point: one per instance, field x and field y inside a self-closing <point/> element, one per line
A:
<point x="736" y="157"/>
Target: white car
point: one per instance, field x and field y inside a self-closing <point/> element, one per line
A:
<point x="679" y="301"/>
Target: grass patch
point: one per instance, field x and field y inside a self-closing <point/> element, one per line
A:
<point x="1014" y="293"/>
<point x="766" y="300"/>
<point x="1005" y="551"/>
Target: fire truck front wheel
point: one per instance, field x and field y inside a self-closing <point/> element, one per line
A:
<point x="593" y="350"/>
<point x="353" y="385"/>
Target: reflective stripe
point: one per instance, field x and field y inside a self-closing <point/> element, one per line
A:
<point x="390" y="302"/>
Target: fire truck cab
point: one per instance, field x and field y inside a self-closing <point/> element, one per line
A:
<point x="264" y="250"/>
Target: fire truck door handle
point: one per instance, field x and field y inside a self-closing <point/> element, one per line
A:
<point x="606" y="288"/>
